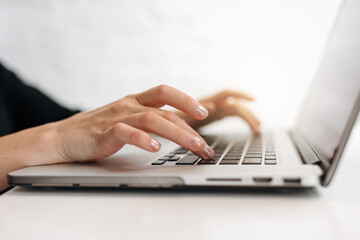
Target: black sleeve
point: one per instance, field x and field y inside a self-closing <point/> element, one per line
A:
<point x="28" y="106"/>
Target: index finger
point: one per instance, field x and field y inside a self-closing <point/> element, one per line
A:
<point x="164" y="94"/>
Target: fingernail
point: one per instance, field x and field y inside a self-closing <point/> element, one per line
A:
<point x="209" y="152"/>
<point x="196" y="142"/>
<point x="155" y="145"/>
<point x="203" y="112"/>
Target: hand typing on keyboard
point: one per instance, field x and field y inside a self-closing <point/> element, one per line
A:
<point x="224" y="104"/>
<point x="96" y="134"/>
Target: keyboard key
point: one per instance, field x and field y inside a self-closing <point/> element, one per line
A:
<point x="221" y="146"/>
<point x="237" y="147"/>
<point x="255" y="150"/>
<point x="270" y="162"/>
<point x="230" y="161"/>
<point x="232" y="157"/>
<point x="240" y="146"/>
<point x="252" y="160"/>
<point x="181" y="151"/>
<point x="218" y="151"/>
<point x="255" y="146"/>
<point x="208" y="161"/>
<point x="209" y="140"/>
<point x="188" y="160"/>
<point x="158" y="162"/>
<point x="270" y="157"/>
<point x="236" y="150"/>
<point x="252" y="155"/>
<point x="234" y="153"/>
<point x="173" y="159"/>
<point x="170" y="155"/>
<point x="270" y="153"/>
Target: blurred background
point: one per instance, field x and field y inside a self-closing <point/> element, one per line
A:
<point x="86" y="53"/>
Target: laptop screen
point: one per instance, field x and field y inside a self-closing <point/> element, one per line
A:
<point x="336" y="85"/>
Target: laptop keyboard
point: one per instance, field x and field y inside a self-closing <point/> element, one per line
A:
<point x="228" y="151"/>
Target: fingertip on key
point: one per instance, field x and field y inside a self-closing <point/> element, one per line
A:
<point x="208" y="151"/>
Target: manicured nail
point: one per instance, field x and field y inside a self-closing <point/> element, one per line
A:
<point x="196" y="142"/>
<point x="209" y="152"/>
<point x="203" y="112"/>
<point x="155" y="145"/>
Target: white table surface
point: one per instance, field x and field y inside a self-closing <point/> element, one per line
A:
<point x="323" y="213"/>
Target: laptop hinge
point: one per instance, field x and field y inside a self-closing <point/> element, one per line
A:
<point x="307" y="154"/>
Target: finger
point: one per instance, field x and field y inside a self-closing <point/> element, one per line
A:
<point x="231" y="93"/>
<point x="152" y="122"/>
<point x="247" y="115"/>
<point x="237" y="109"/>
<point x="209" y="105"/>
<point x="172" y="117"/>
<point x="120" y="134"/>
<point x="164" y="94"/>
<point x="251" y="115"/>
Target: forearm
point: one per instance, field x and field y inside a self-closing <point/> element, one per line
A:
<point x="26" y="148"/>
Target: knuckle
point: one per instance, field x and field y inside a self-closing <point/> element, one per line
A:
<point x="135" y="136"/>
<point x="172" y="117"/>
<point x="178" y="133"/>
<point x="147" y="117"/>
<point x="124" y="103"/>
<point x="130" y="96"/>
<point x="118" y="128"/>
<point x="161" y="89"/>
<point x="113" y="109"/>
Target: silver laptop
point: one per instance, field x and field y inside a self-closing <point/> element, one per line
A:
<point x="305" y="156"/>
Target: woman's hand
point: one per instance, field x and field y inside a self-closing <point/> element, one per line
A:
<point x="102" y="132"/>
<point x="99" y="133"/>
<point x="224" y="104"/>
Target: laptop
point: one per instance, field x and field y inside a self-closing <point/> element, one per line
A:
<point x="303" y="157"/>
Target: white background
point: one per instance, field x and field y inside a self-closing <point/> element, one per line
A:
<point x="86" y="53"/>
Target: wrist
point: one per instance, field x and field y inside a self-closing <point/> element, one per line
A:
<point x="44" y="145"/>
<point x="30" y="147"/>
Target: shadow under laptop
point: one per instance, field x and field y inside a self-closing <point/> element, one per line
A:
<point x="193" y="191"/>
